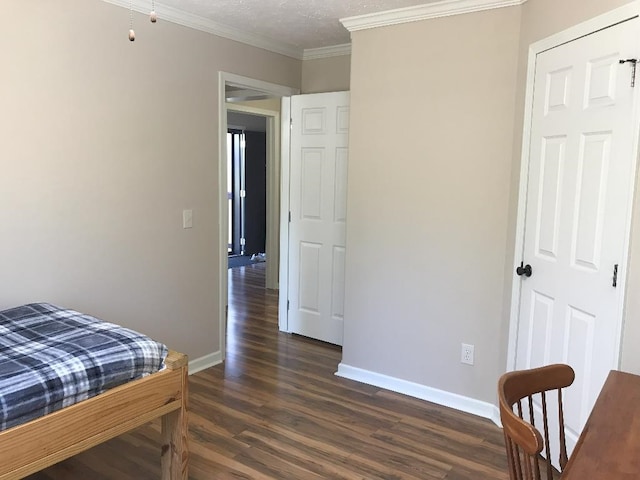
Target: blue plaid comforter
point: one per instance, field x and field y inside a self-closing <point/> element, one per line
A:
<point x="51" y="358"/>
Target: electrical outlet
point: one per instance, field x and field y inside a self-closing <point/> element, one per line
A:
<point x="467" y="354"/>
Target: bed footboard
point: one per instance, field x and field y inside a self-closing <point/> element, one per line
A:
<point x="175" y="427"/>
<point x="35" y="445"/>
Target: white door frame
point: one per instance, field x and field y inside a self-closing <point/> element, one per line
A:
<point x="613" y="17"/>
<point x="230" y="79"/>
<point x="285" y="168"/>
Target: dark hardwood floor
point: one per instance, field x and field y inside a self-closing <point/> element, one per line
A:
<point x="275" y="410"/>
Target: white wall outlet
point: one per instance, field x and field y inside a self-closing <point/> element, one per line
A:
<point x="467" y="354"/>
<point x="187" y="219"/>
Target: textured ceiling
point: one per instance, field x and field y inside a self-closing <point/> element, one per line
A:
<point x="301" y="23"/>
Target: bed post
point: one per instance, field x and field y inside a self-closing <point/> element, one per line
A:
<point x="175" y="427"/>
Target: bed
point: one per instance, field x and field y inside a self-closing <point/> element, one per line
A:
<point x="63" y="392"/>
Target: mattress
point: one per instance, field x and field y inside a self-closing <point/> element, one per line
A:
<point x="51" y="358"/>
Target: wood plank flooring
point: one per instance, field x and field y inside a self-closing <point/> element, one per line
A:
<point x="275" y="410"/>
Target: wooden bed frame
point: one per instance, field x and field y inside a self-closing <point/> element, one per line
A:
<point x="35" y="445"/>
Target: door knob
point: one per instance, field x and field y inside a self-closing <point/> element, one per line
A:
<point x="524" y="270"/>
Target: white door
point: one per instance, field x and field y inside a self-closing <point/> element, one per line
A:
<point x="578" y="201"/>
<point x="317" y="197"/>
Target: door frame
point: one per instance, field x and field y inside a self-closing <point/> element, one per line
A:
<point x="285" y="168"/>
<point x="588" y="27"/>
<point x="230" y="79"/>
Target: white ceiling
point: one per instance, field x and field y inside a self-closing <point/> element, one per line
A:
<point x="304" y="24"/>
<point x="302" y="29"/>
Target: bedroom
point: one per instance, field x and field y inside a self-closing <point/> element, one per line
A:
<point x="104" y="145"/>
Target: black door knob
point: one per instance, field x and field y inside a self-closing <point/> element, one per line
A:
<point x="524" y="270"/>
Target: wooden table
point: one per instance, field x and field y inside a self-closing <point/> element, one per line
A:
<point x="609" y="446"/>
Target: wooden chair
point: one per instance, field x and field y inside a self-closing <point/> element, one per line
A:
<point x="523" y="440"/>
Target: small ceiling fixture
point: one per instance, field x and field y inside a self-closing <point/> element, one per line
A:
<point x="152" y="16"/>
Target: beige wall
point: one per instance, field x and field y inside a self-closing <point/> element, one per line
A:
<point x="330" y="74"/>
<point x="104" y="143"/>
<point x="429" y="175"/>
<point x="273" y="104"/>
<point x="433" y="197"/>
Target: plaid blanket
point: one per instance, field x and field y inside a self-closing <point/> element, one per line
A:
<point x="51" y="358"/>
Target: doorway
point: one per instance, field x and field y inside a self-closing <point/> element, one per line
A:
<point x="247" y="186"/>
<point x="239" y="90"/>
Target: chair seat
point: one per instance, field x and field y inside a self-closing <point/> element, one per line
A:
<point x="555" y="474"/>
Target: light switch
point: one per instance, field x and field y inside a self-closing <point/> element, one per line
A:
<point x="187" y="219"/>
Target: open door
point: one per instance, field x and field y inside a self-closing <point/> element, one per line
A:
<point x="317" y="215"/>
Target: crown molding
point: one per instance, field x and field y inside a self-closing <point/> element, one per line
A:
<point x="427" y="11"/>
<point x="180" y="17"/>
<point x="325" y="52"/>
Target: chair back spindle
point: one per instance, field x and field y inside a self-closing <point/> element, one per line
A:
<point x="524" y="442"/>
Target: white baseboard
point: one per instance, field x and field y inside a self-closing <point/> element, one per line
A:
<point x="495" y="418"/>
<point x="199" y="364"/>
<point x="447" y="399"/>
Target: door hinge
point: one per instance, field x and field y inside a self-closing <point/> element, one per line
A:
<point x="291" y="123"/>
<point x="634" y="64"/>
<point x="289" y="216"/>
<point x="287" y="304"/>
<point x="242" y="241"/>
<point x="615" y="275"/>
<point x="243" y="193"/>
